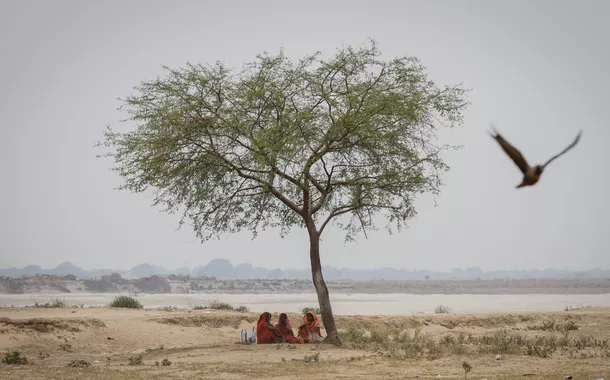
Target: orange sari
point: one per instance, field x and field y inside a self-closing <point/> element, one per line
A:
<point x="308" y="328"/>
<point x="286" y="330"/>
<point x="265" y="331"/>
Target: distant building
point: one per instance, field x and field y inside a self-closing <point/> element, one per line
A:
<point x="112" y="277"/>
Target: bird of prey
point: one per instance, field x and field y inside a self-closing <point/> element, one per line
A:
<point x="531" y="174"/>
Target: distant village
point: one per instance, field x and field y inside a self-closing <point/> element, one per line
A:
<point x="114" y="283"/>
<point x="187" y="284"/>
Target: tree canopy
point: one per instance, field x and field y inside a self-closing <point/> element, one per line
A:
<point x="277" y="143"/>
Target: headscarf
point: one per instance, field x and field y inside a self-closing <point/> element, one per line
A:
<point x="311" y="326"/>
<point x="264" y="318"/>
<point x="288" y="325"/>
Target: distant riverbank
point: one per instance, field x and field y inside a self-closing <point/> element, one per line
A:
<point x="343" y="304"/>
<point x="49" y="284"/>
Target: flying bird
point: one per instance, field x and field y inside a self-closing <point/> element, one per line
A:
<point x="531" y="174"/>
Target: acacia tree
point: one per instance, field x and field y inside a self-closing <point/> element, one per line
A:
<point x="283" y="144"/>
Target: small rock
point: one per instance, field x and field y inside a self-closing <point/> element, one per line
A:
<point x="568" y="377"/>
<point x="499" y="357"/>
<point x="438" y="376"/>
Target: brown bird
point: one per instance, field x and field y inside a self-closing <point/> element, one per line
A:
<point x="531" y="174"/>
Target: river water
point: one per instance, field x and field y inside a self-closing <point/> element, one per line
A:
<point x="343" y="304"/>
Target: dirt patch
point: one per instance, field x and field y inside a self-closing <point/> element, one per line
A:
<point x="44" y="325"/>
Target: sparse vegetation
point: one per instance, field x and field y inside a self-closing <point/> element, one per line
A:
<point x="406" y="343"/>
<point x="160" y="348"/>
<point x="442" y="309"/>
<point x="42" y="355"/>
<point x="467" y="368"/>
<point x="552" y="325"/>
<point x="65" y="347"/>
<point x="126" y="302"/>
<point x="314" y="358"/>
<point x="135" y="360"/>
<point x="398" y="342"/>
<point x="217" y="305"/>
<point x="14" y="357"/>
<point x="54" y="303"/>
<point x="79" y="363"/>
<point x="306" y="310"/>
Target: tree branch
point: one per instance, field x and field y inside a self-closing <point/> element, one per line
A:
<point x="336" y="212"/>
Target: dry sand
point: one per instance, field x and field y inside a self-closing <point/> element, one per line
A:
<point x="201" y="344"/>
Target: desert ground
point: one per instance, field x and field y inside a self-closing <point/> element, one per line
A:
<point x="202" y="344"/>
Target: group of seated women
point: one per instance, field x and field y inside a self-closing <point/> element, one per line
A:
<point x="309" y="331"/>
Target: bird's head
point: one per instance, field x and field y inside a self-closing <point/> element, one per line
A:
<point x="539" y="169"/>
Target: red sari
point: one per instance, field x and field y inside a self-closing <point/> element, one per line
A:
<point x="286" y="329"/>
<point x="265" y="333"/>
<point x="308" y="328"/>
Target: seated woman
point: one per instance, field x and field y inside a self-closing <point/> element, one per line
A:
<point x="266" y="333"/>
<point x="309" y="331"/>
<point x="285" y="328"/>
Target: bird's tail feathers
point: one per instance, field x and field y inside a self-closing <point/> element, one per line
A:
<point x="493" y="128"/>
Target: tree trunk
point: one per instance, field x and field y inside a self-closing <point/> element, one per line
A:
<point x="332" y="335"/>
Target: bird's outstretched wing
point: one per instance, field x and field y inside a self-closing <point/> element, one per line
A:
<point x="512" y="152"/>
<point x="565" y="150"/>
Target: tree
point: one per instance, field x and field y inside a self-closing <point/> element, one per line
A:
<point x="283" y="144"/>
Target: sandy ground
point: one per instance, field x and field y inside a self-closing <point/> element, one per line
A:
<point x="201" y="344"/>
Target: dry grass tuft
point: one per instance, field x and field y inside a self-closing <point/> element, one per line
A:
<point x="14" y="357"/>
<point x="400" y="343"/>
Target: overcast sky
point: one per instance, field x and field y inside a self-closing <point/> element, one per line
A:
<point x="539" y="70"/>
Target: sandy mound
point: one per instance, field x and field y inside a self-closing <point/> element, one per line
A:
<point x="44" y="325"/>
<point x="209" y="320"/>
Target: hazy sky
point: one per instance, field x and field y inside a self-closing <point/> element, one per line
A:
<point x="538" y="69"/>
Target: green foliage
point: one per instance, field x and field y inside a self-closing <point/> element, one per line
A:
<point x="126" y="302"/>
<point x="285" y="144"/>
